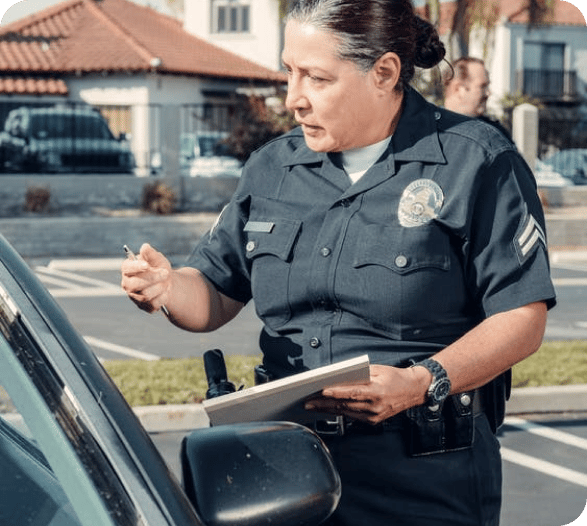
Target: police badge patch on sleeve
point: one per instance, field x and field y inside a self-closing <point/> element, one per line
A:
<point x="420" y="203"/>
<point x="530" y="235"/>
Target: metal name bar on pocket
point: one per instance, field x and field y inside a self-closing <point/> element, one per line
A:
<point x="259" y="226"/>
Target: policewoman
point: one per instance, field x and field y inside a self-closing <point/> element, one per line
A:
<point x="382" y="225"/>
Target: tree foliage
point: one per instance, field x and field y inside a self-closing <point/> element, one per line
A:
<point x="259" y="124"/>
<point x="469" y="15"/>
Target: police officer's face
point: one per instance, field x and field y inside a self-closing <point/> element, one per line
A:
<point x="338" y="106"/>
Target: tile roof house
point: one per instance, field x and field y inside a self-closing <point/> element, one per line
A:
<point x="80" y="37"/>
<point x="119" y="54"/>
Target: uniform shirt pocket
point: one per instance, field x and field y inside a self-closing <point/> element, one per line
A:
<point x="403" y="278"/>
<point x="269" y="247"/>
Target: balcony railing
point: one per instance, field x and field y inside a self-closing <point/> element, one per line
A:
<point x="544" y="84"/>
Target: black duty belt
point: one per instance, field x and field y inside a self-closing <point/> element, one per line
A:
<point x="341" y="425"/>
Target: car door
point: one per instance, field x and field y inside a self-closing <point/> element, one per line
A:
<point x="65" y="430"/>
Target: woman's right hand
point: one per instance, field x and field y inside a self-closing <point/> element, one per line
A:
<point x="147" y="279"/>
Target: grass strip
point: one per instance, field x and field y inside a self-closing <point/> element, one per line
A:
<point x="174" y="381"/>
<point x="180" y="381"/>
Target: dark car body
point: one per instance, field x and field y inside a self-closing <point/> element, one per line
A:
<point x="60" y="139"/>
<point x="73" y="453"/>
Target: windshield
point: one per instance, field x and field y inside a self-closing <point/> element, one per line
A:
<point x="59" y="126"/>
<point x="212" y="146"/>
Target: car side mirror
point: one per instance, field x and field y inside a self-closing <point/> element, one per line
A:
<point x="259" y="474"/>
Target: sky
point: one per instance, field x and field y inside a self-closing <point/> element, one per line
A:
<point x="11" y="10"/>
<point x="24" y="8"/>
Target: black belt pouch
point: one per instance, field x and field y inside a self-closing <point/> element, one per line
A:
<point x="449" y="428"/>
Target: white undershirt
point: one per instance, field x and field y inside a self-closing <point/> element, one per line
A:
<point x="356" y="162"/>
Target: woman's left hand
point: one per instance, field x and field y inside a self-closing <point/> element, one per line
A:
<point x="390" y="391"/>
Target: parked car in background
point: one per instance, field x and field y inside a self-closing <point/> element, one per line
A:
<point x="571" y="164"/>
<point x="57" y="139"/>
<point x="73" y="453"/>
<point x="202" y="154"/>
<point x="546" y="177"/>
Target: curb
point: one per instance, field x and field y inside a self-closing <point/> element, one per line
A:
<point x="551" y="399"/>
<point x="524" y="400"/>
<point x="567" y="256"/>
<point x="172" y="417"/>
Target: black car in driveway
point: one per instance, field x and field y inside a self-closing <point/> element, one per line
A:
<point x="60" y="138"/>
<point x="72" y="452"/>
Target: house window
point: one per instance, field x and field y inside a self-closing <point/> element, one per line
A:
<point x="231" y="16"/>
<point x="544" y="69"/>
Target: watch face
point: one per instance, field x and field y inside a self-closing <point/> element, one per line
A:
<point x="441" y="390"/>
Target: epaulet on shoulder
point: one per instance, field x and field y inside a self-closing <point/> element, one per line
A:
<point x="476" y="130"/>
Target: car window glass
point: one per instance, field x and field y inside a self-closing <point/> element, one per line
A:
<point x="29" y="491"/>
<point x="207" y="146"/>
<point x="63" y="126"/>
<point x="188" y="144"/>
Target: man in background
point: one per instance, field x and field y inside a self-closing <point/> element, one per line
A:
<point x="466" y="90"/>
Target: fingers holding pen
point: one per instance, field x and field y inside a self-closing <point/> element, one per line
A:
<point x="147" y="278"/>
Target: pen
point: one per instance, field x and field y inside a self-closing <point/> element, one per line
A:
<point x="131" y="255"/>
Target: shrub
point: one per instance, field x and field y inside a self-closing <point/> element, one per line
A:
<point x="158" y="198"/>
<point x="260" y="124"/>
<point x="37" y="199"/>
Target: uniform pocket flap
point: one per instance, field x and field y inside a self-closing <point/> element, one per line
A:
<point x="271" y="236"/>
<point x="403" y="250"/>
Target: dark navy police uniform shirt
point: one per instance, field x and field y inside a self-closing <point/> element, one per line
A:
<point x="443" y="231"/>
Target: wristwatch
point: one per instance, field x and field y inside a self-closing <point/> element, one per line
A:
<point x="439" y="388"/>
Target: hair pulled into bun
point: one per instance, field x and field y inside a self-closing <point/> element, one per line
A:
<point x="429" y="50"/>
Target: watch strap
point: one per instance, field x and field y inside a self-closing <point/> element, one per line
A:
<point x="439" y="376"/>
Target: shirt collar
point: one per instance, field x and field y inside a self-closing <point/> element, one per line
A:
<point x="416" y="136"/>
<point x="415" y="139"/>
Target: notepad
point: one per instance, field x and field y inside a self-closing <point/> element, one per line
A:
<point x="283" y="399"/>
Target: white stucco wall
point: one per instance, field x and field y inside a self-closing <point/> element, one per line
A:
<point x="261" y="45"/>
<point x="137" y="89"/>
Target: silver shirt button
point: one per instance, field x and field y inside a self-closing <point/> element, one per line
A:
<point x="315" y="342"/>
<point x="251" y="245"/>
<point x="401" y="261"/>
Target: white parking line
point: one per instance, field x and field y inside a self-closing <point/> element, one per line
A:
<point x="547" y="432"/>
<point x="73" y="285"/>
<point x="87" y="264"/>
<point x="569" y="282"/>
<point x="73" y="277"/>
<point x="548" y="468"/>
<point x="126" y="351"/>
<point x="86" y="292"/>
<point x="543" y="466"/>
